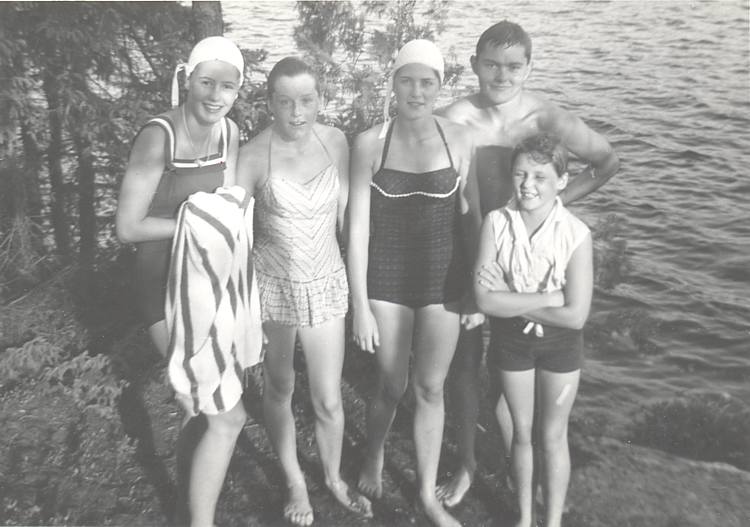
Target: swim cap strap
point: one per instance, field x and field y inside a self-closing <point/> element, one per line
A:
<point x="386" y="108"/>
<point x="176" y="84"/>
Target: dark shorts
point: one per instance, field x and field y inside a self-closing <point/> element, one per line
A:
<point x="150" y="277"/>
<point x="560" y="350"/>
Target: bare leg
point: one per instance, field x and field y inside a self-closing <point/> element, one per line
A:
<point x="278" y="386"/>
<point x="395" y="323"/>
<point x="464" y="389"/>
<point x="435" y="337"/>
<point x="519" y="391"/>
<point x="557" y="391"/>
<point x="324" y="350"/>
<point x="210" y="462"/>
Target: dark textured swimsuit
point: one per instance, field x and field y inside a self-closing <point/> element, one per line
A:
<point x="180" y="179"/>
<point x="416" y="255"/>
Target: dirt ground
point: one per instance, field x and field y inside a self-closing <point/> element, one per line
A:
<point x="69" y="455"/>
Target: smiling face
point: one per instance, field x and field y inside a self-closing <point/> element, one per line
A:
<point x="294" y="104"/>
<point x="212" y="89"/>
<point x="501" y="72"/>
<point x="416" y="87"/>
<point x="536" y="184"/>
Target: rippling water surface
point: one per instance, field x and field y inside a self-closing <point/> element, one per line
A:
<point x="669" y="84"/>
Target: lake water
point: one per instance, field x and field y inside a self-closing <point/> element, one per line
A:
<point x="668" y="83"/>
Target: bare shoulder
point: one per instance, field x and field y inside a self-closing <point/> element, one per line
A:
<point x="148" y="145"/>
<point x="461" y="111"/>
<point x="332" y="137"/>
<point x="455" y="133"/>
<point x="256" y="145"/>
<point x="369" y="140"/>
<point x="550" y="117"/>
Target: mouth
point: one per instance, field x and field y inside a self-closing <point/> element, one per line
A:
<point x="297" y="124"/>
<point x="213" y="108"/>
<point x="528" y="195"/>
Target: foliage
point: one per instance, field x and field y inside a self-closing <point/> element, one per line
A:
<point x="334" y="37"/>
<point x="80" y="78"/>
<point x="711" y="427"/>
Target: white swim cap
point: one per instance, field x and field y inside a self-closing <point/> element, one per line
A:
<point x="417" y="51"/>
<point x="420" y="51"/>
<point x="211" y="48"/>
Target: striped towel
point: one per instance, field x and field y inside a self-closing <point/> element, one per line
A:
<point x="212" y="307"/>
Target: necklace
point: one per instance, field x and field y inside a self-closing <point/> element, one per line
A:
<point x="199" y="159"/>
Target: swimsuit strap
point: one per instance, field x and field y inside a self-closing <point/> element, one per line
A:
<point x="387" y="144"/>
<point x="442" y="136"/>
<point x="170" y="145"/>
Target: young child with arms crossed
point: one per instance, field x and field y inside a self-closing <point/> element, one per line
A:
<point x="534" y="278"/>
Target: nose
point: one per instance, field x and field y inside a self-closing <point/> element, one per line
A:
<point x="215" y="93"/>
<point x="416" y="89"/>
<point x="296" y="110"/>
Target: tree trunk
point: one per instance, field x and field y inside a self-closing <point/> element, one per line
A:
<point x="32" y="155"/>
<point x="206" y="20"/>
<point x="86" y="195"/>
<point x="55" y="155"/>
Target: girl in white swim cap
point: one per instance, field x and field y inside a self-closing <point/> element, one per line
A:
<point x="192" y="147"/>
<point x="413" y="224"/>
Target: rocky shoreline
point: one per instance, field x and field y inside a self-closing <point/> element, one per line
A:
<point x="88" y="439"/>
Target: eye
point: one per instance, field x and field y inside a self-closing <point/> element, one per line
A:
<point x="308" y="101"/>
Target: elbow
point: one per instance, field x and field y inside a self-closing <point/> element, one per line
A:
<point x="483" y="303"/>
<point x="578" y="319"/>
<point x="123" y="233"/>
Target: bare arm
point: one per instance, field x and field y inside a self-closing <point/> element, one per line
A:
<point x="471" y="221"/>
<point x="341" y="150"/>
<point x="364" y="329"/>
<point x="589" y="146"/>
<point x="579" y="285"/>
<point x="252" y="163"/>
<point x="142" y="175"/>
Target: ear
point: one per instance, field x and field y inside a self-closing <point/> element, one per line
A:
<point x="473" y="61"/>
<point x="562" y="181"/>
<point x="528" y="70"/>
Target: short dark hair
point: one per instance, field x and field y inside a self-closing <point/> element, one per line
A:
<point x="505" y="34"/>
<point x="543" y="149"/>
<point x="289" y="67"/>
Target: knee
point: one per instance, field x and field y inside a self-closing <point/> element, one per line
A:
<point x="554" y="438"/>
<point x="228" y="424"/>
<point x="429" y="392"/>
<point x="392" y="389"/>
<point x="522" y="432"/>
<point x="328" y="408"/>
<point x="278" y="388"/>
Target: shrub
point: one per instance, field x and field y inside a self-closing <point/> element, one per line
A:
<point x="710" y="427"/>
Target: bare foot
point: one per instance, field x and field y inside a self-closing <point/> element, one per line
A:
<point x="350" y="498"/>
<point x="371" y="478"/>
<point x="453" y="491"/>
<point x="437" y="514"/>
<point x="297" y="509"/>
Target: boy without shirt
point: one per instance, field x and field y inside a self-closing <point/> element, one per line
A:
<point x="501" y="115"/>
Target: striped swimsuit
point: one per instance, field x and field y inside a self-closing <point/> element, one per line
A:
<point x="301" y="275"/>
